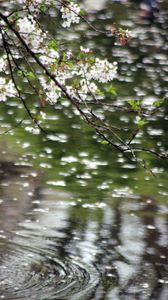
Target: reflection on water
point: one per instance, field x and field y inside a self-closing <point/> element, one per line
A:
<point x="77" y="220"/>
<point x="94" y="5"/>
<point x="64" y="246"/>
<point x="34" y="262"/>
<point x="18" y="185"/>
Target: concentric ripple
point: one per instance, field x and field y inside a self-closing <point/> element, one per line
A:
<point x="31" y="273"/>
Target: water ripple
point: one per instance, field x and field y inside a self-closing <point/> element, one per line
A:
<point x="32" y="273"/>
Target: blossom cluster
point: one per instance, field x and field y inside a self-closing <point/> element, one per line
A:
<point x="33" y="2"/>
<point x="80" y="77"/>
<point x="70" y="10"/>
<point x="33" y="130"/>
<point x="103" y="71"/>
<point x="87" y="87"/>
<point x="100" y="71"/>
<point x="49" y="56"/>
<point x="7" y="89"/>
<point x="51" y="91"/>
<point x="35" y="5"/>
<point x="70" y="14"/>
<point x="31" y="32"/>
<point x="3" y="63"/>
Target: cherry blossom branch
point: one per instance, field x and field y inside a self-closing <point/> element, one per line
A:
<point x="8" y="53"/>
<point x="52" y="77"/>
<point x="158" y="155"/>
<point x="103" y="129"/>
<point x="84" y="19"/>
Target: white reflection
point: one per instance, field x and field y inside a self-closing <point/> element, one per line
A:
<point x="51" y="217"/>
<point x="88" y="248"/>
<point x="94" y="4"/>
<point x="132" y="236"/>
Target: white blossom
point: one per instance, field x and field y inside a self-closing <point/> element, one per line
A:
<point x="7" y="89"/>
<point x="3" y="63"/>
<point x="49" y="56"/>
<point x="34" y="5"/>
<point x="70" y="14"/>
<point x="69" y="54"/>
<point x="31" y="32"/>
<point x="43" y="115"/>
<point x="32" y="129"/>
<point x="103" y="71"/>
<point x="10" y="89"/>
<point x="2" y="89"/>
<point x="26" y="25"/>
<point x="71" y="91"/>
<point x="86" y="88"/>
<point x="51" y="90"/>
<point x="82" y="69"/>
<point x="84" y="50"/>
<point x="37" y="2"/>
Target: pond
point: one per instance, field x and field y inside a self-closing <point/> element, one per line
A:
<point x="77" y="219"/>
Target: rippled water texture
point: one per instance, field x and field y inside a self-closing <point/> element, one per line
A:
<point x="77" y="219"/>
<point x="34" y="263"/>
<point x="54" y="245"/>
<point x="37" y="273"/>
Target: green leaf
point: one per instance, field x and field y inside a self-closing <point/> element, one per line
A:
<point x="99" y="93"/>
<point x="30" y="75"/>
<point x="158" y="103"/>
<point x="82" y="55"/>
<point x="20" y="73"/>
<point x="53" y="45"/>
<point x="42" y="6"/>
<point x="52" y="2"/>
<point x="104" y="142"/>
<point x="135" y="104"/>
<point x="82" y="12"/>
<point x="141" y="122"/>
<point x="111" y="90"/>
